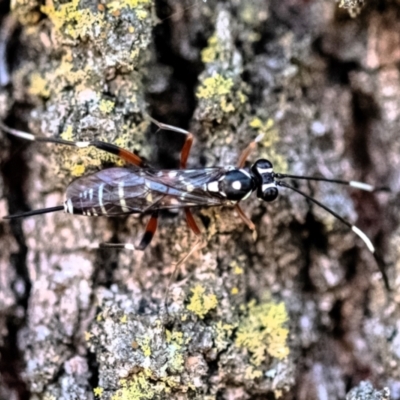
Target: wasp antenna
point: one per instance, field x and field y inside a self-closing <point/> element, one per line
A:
<point x="33" y="138"/>
<point x="126" y="246"/>
<point x="356" y="230"/>
<point x="364" y="238"/>
<point x="16" y="132"/>
<point x="35" y="212"/>
<point x="355" y="184"/>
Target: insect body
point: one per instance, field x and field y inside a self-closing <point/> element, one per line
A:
<point x="118" y="191"/>
<point x="144" y="190"/>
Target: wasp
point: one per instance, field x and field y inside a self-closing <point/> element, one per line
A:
<point x="141" y="189"/>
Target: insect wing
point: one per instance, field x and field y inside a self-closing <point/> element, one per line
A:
<point x="112" y="191"/>
<point x="117" y="191"/>
<point x="185" y="188"/>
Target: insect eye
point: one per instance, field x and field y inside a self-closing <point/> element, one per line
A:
<point x="270" y="194"/>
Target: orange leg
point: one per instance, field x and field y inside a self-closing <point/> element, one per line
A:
<point x="191" y="222"/>
<point x="118" y="151"/>
<point x="108" y="147"/>
<point x="151" y="228"/>
<point x="188" y="142"/>
<point x="245" y="218"/>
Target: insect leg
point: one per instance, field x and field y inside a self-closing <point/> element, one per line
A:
<point x="151" y="228"/>
<point x="191" y="222"/>
<point x="248" y="150"/>
<point x="108" y="147"/>
<point x="188" y="142"/>
<point x="245" y="218"/>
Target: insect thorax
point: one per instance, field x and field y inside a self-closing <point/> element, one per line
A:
<point x="235" y="185"/>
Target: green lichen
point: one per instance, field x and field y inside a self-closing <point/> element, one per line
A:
<point x="263" y="331"/>
<point x="200" y="302"/>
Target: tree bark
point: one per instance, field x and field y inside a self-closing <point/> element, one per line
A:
<point x="297" y="310"/>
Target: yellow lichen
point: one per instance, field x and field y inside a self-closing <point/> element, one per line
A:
<point x="39" y="85"/>
<point x="223" y="333"/>
<point x="270" y="138"/>
<point x="74" y="21"/>
<point x="234" y="290"/>
<point x="226" y="105"/>
<point x="175" y="350"/>
<point x="78" y="170"/>
<point x="106" y="106"/>
<point x="251" y="373"/>
<point x="145" y="345"/>
<point x="142" y="14"/>
<point x="98" y="391"/>
<point x="209" y="53"/>
<point x="200" y="302"/>
<point x="88" y="336"/>
<point x="215" y="86"/>
<point x="68" y="134"/>
<point x="263" y="331"/>
<point x="137" y="388"/>
<point x="123" y="319"/>
<point x="117" y="5"/>
<point x="237" y="270"/>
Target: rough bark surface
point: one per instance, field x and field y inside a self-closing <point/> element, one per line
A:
<point x="297" y="311"/>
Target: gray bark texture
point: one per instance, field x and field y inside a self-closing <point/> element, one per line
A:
<point x="296" y="310"/>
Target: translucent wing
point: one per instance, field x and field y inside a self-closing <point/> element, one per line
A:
<point x="117" y="191"/>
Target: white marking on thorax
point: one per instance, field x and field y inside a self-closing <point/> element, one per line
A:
<point x="237" y="185"/>
<point x="247" y="195"/>
<point x="267" y="186"/>
<point x="121" y="195"/>
<point x="189" y="187"/>
<point x="265" y="170"/>
<point x="244" y="172"/>
<point x="213" y="186"/>
<point x="69" y="206"/>
<point x="172" y="174"/>
<point x="100" y="195"/>
<point x="91" y="194"/>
